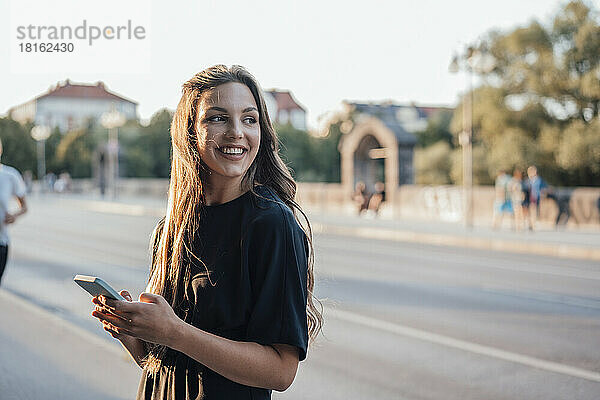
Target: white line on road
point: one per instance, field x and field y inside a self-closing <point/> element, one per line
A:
<point x="361" y="320"/>
<point x="463" y="345"/>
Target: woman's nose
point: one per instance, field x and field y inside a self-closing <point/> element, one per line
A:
<point x="235" y="130"/>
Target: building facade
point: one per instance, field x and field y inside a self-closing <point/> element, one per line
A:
<point x="284" y="109"/>
<point x="69" y="106"/>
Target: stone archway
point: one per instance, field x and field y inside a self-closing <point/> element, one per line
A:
<point x="359" y="155"/>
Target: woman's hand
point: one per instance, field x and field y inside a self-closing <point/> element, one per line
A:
<point x="151" y="318"/>
<point x="108" y="327"/>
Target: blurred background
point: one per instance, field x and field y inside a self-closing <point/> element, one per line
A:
<point x="447" y="154"/>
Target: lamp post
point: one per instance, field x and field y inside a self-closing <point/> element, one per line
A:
<point x="112" y="120"/>
<point x="474" y="60"/>
<point x="40" y="133"/>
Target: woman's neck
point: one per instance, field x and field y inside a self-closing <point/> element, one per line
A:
<point x="222" y="192"/>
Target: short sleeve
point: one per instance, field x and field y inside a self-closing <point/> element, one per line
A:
<point x="18" y="185"/>
<point x="278" y="264"/>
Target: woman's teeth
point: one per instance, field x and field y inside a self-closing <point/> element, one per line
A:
<point x="231" y="150"/>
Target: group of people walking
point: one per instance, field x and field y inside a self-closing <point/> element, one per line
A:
<point x="518" y="198"/>
<point x="368" y="202"/>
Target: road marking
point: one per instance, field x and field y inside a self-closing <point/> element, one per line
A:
<point x="35" y="309"/>
<point x="361" y="320"/>
<point x="463" y="345"/>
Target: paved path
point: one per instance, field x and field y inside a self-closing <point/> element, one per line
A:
<point x="403" y="320"/>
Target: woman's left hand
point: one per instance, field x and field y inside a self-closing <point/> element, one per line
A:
<point x="151" y="318"/>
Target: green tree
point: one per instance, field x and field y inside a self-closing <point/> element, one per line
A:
<point x="295" y="149"/>
<point x="433" y="163"/>
<point x="155" y="140"/>
<point x="438" y="128"/>
<point x="311" y="159"/>
<point x="540" y="103"/>
<point x="52" y="164"/>
<point x="481" y="168"/>
<point x="147" y="149"/>
<point x="74" y="152"/>
<point x="19" y="148"/>
<point x="327" y="157"/>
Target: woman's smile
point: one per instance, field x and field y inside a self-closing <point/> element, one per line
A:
<point x="233" y="153"/>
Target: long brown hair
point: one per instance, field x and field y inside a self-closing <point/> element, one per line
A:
<point x="170" y="244"/>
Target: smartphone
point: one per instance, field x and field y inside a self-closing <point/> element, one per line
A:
<point x="96" y="287"/>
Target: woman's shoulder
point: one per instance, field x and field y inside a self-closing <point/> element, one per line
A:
<point x="270" y="211"/>
<point x="268" y="202"/>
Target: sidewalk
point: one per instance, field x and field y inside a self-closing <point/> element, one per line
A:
<point x="580" y="244"/>
<point x="47" y="357"/>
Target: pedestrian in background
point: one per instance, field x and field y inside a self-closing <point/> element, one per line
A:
<point x="50" y="180"/>
<point x="502" y="201"/>
<point x="562" y="198"/>
<point x="228" y="309"/>
<point x="11" y="187"/>
<point x="537" y="189"/>
<point x="517" y="196"/>
<point x="377" y="198"/>
<point x="28" y="178"/>
<point x="360" y="197"/>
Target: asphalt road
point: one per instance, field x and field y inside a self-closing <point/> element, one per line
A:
<point x="403" y="321"/>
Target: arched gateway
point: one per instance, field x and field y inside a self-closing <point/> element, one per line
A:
<point x="377" y="149"/>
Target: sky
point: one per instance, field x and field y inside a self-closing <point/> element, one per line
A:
<point x="323" y="51"/>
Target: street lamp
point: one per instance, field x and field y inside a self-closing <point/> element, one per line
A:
<point x="112" y="120"/>
<point x="474" y="60"/>
<point x="40" y="133"/>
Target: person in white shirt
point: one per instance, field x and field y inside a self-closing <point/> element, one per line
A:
<point x="11" y="186"/>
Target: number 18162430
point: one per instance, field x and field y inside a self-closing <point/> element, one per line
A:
<point x="46" y="47"/>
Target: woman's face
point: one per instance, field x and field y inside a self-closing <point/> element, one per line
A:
<point x="228" y="131"/>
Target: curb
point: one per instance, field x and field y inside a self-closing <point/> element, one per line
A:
<point x="545" y="249"/>
<point x="539" y="248"/>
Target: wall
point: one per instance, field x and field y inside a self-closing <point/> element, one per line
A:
<point x="444" y="203"/>
<point x="434" y="203"/>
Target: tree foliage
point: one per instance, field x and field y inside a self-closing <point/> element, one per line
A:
<point x="74" y="153"/>
<point x="438" y="128"/>
<point x="19" y="148"/>
<point x="433" y="163"/>
<point x="540" y="103"/>
<point x="147" y="150"/>
<point x="311" y="159"/>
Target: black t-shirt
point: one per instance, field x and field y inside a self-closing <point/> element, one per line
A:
<point x="255" y="292"/>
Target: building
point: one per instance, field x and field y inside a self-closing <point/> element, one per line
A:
<point x="69" y="106"/>
<point x="284" y="109"/>
<point x="379" y="142"/>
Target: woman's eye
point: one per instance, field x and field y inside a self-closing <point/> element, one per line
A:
<point x="216" y="118"/>
<point x="250" y="120"/>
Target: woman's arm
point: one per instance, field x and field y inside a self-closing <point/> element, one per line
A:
<point x="248" y="363"/>
<point x="134" y="346"/>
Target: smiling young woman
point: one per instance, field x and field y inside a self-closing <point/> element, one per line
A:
<point x="228" y="311"/>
